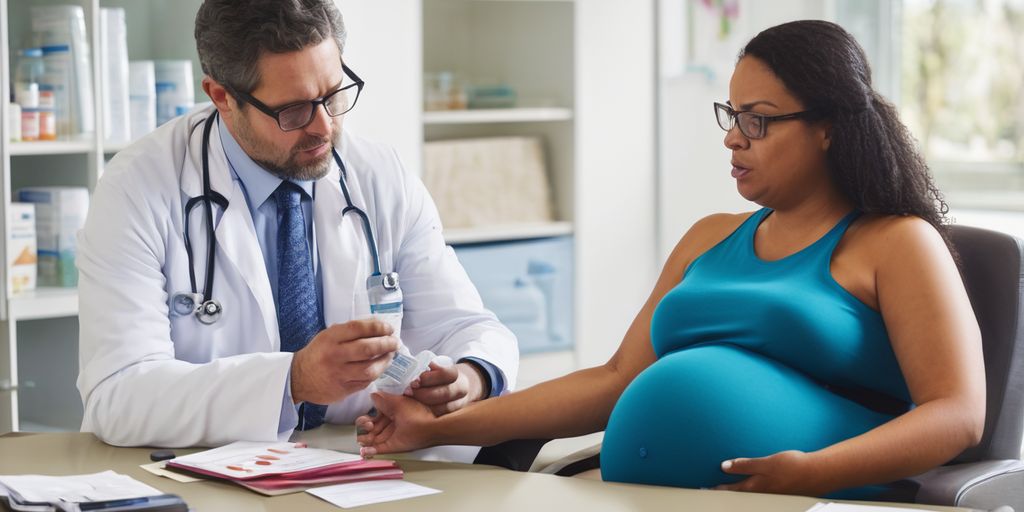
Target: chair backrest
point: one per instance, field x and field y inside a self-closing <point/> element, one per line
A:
<point x="992" y="272"/>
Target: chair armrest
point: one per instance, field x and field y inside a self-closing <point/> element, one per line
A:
<point x="987" y="484"/>
<point x="574" y="463"/>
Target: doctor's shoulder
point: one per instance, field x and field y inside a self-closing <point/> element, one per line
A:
<point x="150" y="164"/>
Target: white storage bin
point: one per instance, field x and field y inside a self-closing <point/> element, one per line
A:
<point x="528" y="284"/>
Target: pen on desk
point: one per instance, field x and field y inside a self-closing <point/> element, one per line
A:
<point x="162" y="502"/>
<point x="100" y="505"/>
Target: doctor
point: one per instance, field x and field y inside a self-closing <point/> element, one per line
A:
<point x="230" y="258"/>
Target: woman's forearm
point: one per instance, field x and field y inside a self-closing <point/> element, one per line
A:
<point x="576" y="404"/>
<point x="923" y="438"/>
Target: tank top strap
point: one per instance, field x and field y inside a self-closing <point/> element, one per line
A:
<point x="746" y="230"/>
<point x="834" y="235"/>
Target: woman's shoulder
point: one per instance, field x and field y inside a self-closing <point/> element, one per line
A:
<point x="702" y="236"/>
<point x="716" y="227"/>
<point x="895" y="229"/>
<point x="896" y="238"/>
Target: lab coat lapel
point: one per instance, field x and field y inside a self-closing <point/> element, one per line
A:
<point x="234" y="232"/>
<point x="236" y="237"/>
<point x="342" y="248"/>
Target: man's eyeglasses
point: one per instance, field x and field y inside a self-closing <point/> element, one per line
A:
<point x="752" y="125"/>
<point x="299" y="115"/>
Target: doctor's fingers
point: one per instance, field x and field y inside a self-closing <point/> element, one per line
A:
<point x="356" y="329"/>
<point x="365" y="349"/>
<point x="365" y="371"/>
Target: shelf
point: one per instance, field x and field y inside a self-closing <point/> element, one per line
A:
<point x="51" y="147"/>
<point x="30" y="426"/>
<point x="114" y="147"/>
<point x="506" y="232"/>
<point x="497" y="115"/>
<point x="45" y="302"/>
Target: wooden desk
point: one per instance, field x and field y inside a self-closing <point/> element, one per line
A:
<point x="466" y="487"/>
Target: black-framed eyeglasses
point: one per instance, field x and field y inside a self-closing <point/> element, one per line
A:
<point x="299" y="115"/>
<point x="752" y="125"/>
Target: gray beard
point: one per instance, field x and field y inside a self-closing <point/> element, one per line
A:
<point x="297" y="173"/>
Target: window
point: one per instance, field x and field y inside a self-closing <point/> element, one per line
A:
<point x="961" y="76"/>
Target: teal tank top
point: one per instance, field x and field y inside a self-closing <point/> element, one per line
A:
<point x="754" y="357"/>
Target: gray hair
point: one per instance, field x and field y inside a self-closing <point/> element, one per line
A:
<point x="231" y="35"/>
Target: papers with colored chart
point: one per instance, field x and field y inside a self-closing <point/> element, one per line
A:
<point x="280" y="468"/>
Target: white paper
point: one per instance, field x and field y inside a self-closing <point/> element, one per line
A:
<point x="248" y="459"/>
<point x="367" y="493"/>
<point x="157" y="468"/>
<point x="847" y="507"/>
<point x="107" y="485"/>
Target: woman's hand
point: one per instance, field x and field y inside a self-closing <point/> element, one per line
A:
<point x="788" y="472"/>
<point x="402" y="424"/>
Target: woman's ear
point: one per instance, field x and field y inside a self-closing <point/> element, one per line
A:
<point x="826" y="135"/>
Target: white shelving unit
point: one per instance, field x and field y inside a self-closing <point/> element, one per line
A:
<point x="507" y="232"/>
<point x="44" y="302"/>
<point x="75" y="162"/>
<point x="529" y="47"/>
<point x="39" y="334"/>
<point x="57" y="147"/>
<point x="574" y="57"/>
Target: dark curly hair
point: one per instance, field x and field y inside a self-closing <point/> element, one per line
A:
<point x="872" y="157"/>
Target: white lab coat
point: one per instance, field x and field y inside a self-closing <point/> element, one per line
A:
<point x="149" y="378"/>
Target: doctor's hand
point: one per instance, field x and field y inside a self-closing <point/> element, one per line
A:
<point x="446" y="389"/>
<point x="342" y="359"/>
<point x="788" y="472"/>
<point x="400" y="425"/>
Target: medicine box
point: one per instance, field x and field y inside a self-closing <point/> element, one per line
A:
<point x="60" y="213"/>
<point x="21" y="248"/>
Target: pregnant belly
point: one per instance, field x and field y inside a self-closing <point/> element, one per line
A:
<point x="694" y="408"/>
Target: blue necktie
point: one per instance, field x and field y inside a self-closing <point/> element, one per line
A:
<point x="299" y="316"/>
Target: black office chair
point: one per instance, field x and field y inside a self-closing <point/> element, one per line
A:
<point x="987" y="476"/>
<point x="991" y="474"/>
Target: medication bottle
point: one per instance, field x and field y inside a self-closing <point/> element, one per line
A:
<point x="14" y="122"/>
<point x="28" y="70"/>
<point x="29" y="124"/>
<point x="57" y="79"/>
<point x="47" y="114"/>
<point x="404" y="369"/>
<point x="47" y="124"/>
<point x="27" y="94"/>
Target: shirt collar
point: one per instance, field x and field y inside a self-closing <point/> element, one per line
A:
<point x="257" y="181"/>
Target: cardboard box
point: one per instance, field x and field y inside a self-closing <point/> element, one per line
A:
<point x="21" y="248"/>
<point x="60" y="213"/>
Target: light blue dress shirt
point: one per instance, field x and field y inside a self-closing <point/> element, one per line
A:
<point x="258" y="185"/>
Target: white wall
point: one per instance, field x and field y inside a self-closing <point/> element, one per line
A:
<point x="384" y="48"/>
<point x="615" y="200"/>
<point x="694" y="167"/>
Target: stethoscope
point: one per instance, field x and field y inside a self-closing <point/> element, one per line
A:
<point x="383" y="289"/>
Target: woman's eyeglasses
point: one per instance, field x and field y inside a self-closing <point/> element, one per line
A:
<point x="752" y="125"/>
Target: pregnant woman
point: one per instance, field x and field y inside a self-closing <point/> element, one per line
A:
<point x="818" y="345"/>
